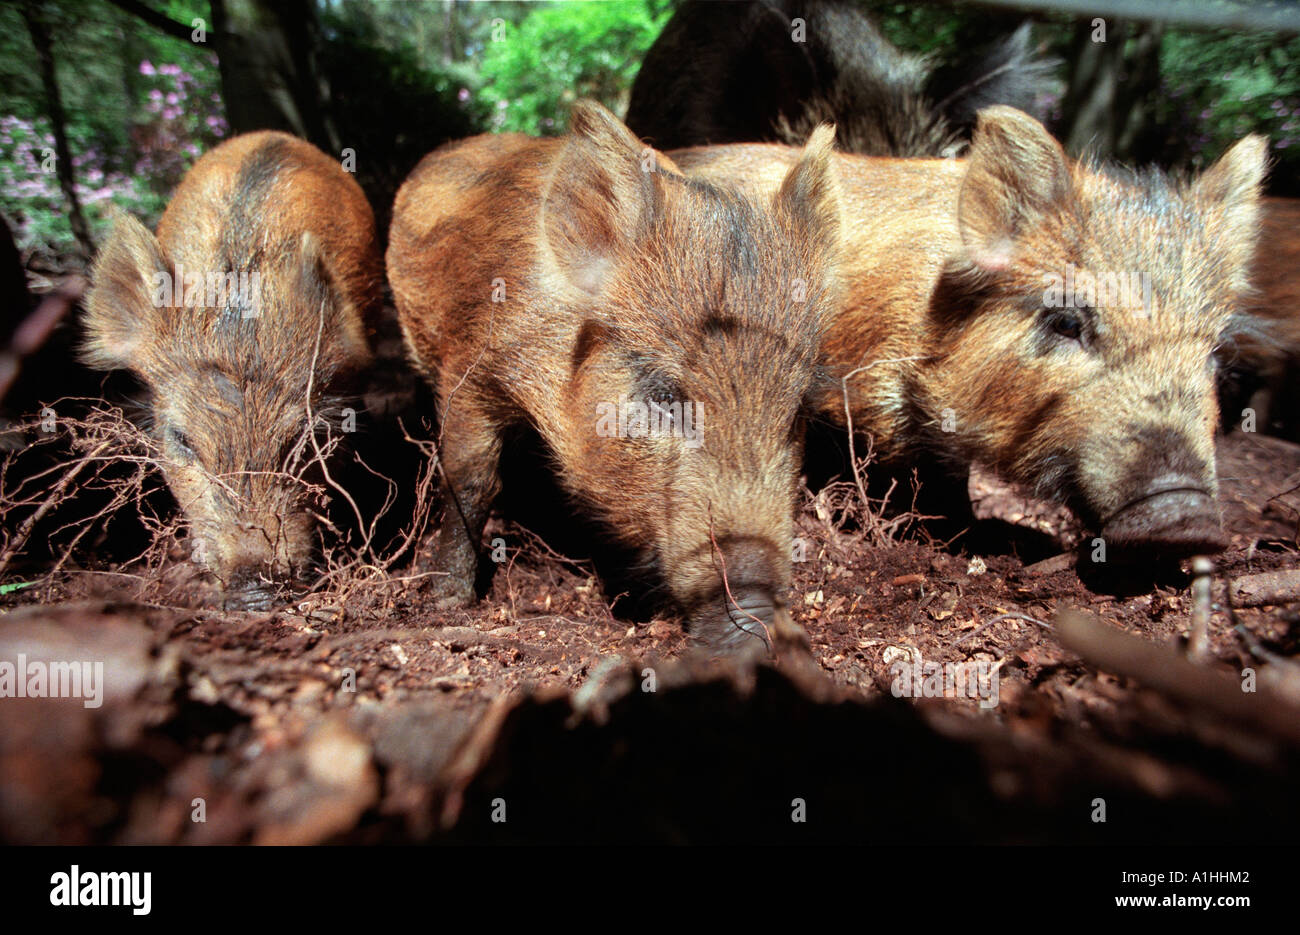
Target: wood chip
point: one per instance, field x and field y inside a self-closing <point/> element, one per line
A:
<point x="1270" y="587"/>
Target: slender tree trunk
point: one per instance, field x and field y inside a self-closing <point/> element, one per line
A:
<point x="1139" y="138"/>
<point x="129" y="50"/>
<point x="448" y="31"/>
<point x="40" y="34"/>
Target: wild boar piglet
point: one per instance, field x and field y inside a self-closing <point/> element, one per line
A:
<point x="1056" y="320"/>
<point x="240" y="316"/>
<point x="660" y="334"/>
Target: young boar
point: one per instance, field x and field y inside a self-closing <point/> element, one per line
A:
<point x="1054" y="320"/>
<point x="1268" y="359"/>
<point x="242" y="312"/>
<point x="660" y="334"/>
<point x="772" y="70"/>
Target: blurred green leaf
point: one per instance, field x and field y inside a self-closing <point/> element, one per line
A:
<point x="558" y="54"/>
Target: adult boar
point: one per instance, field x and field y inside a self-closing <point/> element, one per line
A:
<point x="772" y="70"/>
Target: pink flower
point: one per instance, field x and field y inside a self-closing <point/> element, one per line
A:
<point x="146" y="68"/>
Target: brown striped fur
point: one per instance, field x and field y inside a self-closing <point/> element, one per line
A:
<point x="229" y="394"/>
<point x="622" y="278"/>
<point x="946" y="261"/>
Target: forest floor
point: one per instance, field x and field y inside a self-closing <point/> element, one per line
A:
<point x="540" y="714"/>
<point x="552" y="711"/>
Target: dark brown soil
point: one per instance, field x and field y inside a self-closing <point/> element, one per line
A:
<point x="540" y="714"/>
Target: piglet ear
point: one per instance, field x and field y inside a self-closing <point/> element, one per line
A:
<point x="1231" y="186"/>
<point x="601" y="198"/>
<point x="343" y="332"/>
<point x="1016" y="175"/>
<point x="810" y="192"/>
<point x="133" y="283"/>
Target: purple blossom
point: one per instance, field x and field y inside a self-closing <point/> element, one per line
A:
<point x="181" y="116"/>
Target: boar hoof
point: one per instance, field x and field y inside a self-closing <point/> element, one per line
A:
<point x="254" y="602"/>
<point x="789" y="633"/>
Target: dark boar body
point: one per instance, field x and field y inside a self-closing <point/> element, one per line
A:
<point x="541" y="282"/>
<point x="733" y="73"/>
<point x="270" y="249"/>
<point x="1105" y="400"/>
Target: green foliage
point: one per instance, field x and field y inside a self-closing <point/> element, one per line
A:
<point x="140" y="108"/>
<point x="558" y="54"/>
<point x="1219" y="86"/>
<point x="920" y="27"/>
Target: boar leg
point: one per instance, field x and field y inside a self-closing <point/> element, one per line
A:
<point x="944" y="492"/>
<point x="471" y="454"/>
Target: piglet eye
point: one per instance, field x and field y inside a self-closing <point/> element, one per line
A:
<point x="662" y="408"/>
<point x="181" y="441"/>
<point x="1066" y="324"/>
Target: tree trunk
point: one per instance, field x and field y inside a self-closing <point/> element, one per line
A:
<point x="448" y="30"/>
<point x="40" y="34"/>
<point x="267" y="56"/>
<point x="1109" y="108"/>
<point x="269" y="75"/>
<point x="130" y="55"/>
